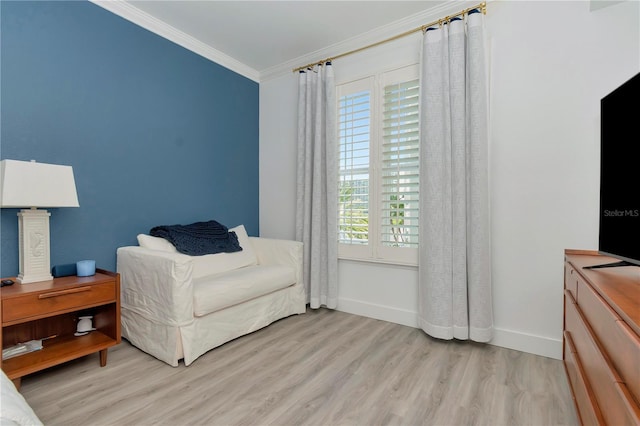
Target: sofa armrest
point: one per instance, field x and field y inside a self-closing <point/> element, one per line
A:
<point x="270" y="251"/>
<point x="14" y="409"/>
<point x="156" y="284"/>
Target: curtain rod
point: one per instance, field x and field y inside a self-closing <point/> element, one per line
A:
<point x="482" y="6"/>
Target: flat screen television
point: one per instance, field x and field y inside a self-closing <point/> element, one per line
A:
<point x="619" y="231"/>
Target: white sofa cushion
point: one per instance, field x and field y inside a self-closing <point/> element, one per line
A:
<point x="213" y="293"/>
<point x="211" y="264"/>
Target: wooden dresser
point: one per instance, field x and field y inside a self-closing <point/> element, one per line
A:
<point x="602" y="339"/>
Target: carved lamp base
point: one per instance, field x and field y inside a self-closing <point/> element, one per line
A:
<point x="33" y="230"/>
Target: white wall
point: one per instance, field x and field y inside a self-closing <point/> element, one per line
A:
<point x="551" y="62"/>
<point x="277" y="159"/>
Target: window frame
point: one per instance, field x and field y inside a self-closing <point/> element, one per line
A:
<point x="375" y="251"/>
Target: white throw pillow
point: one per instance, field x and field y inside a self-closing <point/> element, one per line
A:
<point x="211" y="264"/>
<point x="155" y="243"/>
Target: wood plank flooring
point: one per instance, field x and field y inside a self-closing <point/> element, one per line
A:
<point x="321" y="368"/>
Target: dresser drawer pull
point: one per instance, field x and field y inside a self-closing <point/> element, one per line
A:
<point x="63" y="292"/>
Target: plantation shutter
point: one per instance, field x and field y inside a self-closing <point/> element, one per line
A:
<point x="354" y="138"/>
<point x="400" y="162"/>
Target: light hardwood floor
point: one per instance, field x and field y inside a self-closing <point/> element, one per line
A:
<point x="320" y="368"/>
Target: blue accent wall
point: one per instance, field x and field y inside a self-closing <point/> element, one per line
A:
<point x="156" y="134"/>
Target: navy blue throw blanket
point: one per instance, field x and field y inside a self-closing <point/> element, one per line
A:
<point x="199" y="238"/>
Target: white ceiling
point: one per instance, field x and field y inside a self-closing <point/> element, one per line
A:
<point x="264" y="34"/>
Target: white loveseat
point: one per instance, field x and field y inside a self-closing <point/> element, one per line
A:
<point x="176" y="306"/>
<point x="14" y="409"/>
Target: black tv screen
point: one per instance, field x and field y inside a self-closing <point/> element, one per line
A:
<point x="619" y="233"/>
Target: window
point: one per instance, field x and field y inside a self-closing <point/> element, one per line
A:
<point x="378" y="182"/>
<point x="354" y="113"/>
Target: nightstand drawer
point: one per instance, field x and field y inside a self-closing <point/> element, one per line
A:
<point x="45" y="303"/>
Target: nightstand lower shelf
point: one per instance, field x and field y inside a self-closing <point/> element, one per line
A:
<point x="56" y="351"/>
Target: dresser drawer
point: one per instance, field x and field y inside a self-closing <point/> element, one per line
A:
<point x="630" y="416"/>
<point x="570" y="358"/>
<point x="583" y="396"/>
<point x="620" y="343"/>
<point x="45" y="303"/>
<point x="571" y="279"/>
<point x="600" y="376"/>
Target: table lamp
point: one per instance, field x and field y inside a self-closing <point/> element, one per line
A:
<point x="30" y="184"/>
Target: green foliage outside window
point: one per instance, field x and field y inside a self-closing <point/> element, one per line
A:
<point x="396" y="220"/>
<point x="354" y="215"/>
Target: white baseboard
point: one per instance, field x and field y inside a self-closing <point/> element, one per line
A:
<point x="510" y="339"/>
<point x="537" y="345"/>
<point x="381" y="312"/>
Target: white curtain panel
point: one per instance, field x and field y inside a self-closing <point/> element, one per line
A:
<point x="454" y="291"/>
<point x="317" y="185"/>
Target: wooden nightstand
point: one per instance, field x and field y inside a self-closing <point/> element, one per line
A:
<point x="51" y="308"/>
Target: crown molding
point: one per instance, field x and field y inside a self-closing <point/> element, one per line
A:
<point x="131" y="13"/>
<point x="161" y="28"/>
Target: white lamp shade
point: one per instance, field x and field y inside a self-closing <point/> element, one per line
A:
<point x="31" y="184"/>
